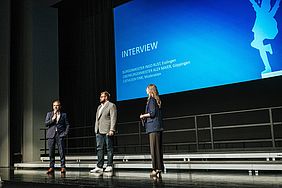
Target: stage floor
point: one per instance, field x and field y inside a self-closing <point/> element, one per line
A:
<point x="122" y="178"/>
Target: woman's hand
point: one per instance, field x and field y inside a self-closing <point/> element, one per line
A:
<point x="144" y="116"/>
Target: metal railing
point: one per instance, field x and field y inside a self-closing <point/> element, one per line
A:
<point x="200" y="133"/>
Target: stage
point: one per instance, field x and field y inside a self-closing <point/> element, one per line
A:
<point x="129" y="178"/>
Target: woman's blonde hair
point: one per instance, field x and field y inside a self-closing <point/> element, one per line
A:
<point x="153" y="92"/>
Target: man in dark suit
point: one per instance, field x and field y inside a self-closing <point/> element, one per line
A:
<point x="58" y="127"/>
<point x="105" y="127"/>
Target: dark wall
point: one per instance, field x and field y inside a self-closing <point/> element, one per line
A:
<point x="4" y="82"/>
<point x="87" y="67"/>
<point x="17" y="73"/>
<point x="33" y="74"/>
<point x="240" y="96"/>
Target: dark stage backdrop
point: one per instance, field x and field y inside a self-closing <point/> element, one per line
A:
<point x="86" y="63"/>
<point x="87" y="67"/>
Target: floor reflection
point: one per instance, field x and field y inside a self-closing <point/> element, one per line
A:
<point x="203" y="179"/>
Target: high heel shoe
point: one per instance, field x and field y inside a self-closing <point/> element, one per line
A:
<point x="158" y="173"/>
<point x="153" y="173"/>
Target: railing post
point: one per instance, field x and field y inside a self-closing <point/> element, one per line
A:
<point x="139" y="136"/>
<point x="271" y="128"/>
<point x="67" y="144"/>
<point x="45" y="142"/>
<point x="211" y="131"/>
<point x="196" y="132"/>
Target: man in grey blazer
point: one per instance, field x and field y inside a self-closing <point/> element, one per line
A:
<point x="105" y="128"/>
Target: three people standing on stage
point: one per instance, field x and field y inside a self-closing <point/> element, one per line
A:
<point x="57" y="129"/>
<point x="154" y="127"/>
<point x="105" y="128"/>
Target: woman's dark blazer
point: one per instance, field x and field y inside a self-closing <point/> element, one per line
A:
<point x="154" y="122"/>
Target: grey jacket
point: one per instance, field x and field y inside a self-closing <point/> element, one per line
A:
<point x="107" y="119"/>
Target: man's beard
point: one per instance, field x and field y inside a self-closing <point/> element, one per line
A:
<point x="102" y="100"/>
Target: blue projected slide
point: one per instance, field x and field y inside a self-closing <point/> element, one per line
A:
<point x="185" y="45"/>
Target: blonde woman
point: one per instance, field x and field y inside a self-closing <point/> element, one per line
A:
<point x="154" y="127"/>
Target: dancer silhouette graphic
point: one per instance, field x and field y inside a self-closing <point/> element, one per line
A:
<point x="265" y="27"/>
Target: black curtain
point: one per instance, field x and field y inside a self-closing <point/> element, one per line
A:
<point x="16" y="83"/>
<point x="86" y="64"/>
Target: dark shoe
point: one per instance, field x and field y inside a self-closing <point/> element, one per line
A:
<point x="50" y="170"/>
<point x="51" y="175"/>
<point x="63" y="175"/>
<point x="63" y="170"/>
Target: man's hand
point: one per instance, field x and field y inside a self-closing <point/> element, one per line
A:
<point x="111" y="133"/>
<point x="54" y="116"/>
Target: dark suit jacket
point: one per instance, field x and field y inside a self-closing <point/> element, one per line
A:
<point x="62" y="125"/>
<point x="154" y="122"/>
